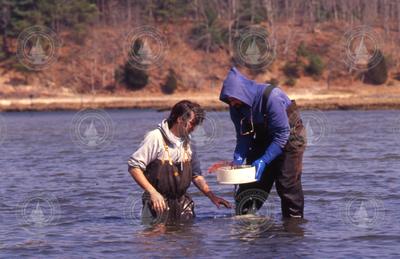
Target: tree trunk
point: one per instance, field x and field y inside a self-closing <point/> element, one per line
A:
<point x="251" y="12"/>
<point x="129" y="11"/>
<point x="398" y="18"/>
<point x="151" y="15"/>
<point x="230" y="10"/>
<point x="335" y="11"/>
<point x="196" y="8"/>
<point x="288" y="42"/>
<point x="386" y="17"/>
<point x="269" y="10"/>
<point x="5" y="13"/>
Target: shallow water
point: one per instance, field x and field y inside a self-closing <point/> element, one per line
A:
<point x="66" y="195"/>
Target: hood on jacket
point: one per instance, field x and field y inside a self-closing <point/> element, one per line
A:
<point x="241" y="88"/>
<point x="163" y="126"/>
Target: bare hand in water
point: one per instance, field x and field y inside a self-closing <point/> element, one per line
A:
<point x="218" y="201"/>
<point x="157" y="200"/>
<point x="214" y="167"/>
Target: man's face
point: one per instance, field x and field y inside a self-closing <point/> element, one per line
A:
<point x="186" y="124"/>
<point x="234" y="102"/>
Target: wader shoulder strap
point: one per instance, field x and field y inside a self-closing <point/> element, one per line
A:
<point x="267" y="93"/>
<point x="166" y="151"/>
<point x="166" y="141"/>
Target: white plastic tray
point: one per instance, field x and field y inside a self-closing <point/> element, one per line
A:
<point x="236" y="175"/>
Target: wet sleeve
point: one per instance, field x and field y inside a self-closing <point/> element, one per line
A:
<point x="147" y="151"/>
<point x="278" y="126"/>
<point x="242" y="142"/>
<point x="195" y="162"/>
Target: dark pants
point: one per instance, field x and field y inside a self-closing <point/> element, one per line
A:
<point x="285" y="170"/>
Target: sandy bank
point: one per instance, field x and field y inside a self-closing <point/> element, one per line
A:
<point x="209" y="101"/>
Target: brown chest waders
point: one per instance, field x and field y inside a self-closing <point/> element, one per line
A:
<point x="285" y="170"/>
<point x="171" y="180"/>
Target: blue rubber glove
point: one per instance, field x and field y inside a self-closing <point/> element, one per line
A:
<point x="271" y="153"/>
<point x="237" y="159"/>
<point x="260" y="168"/>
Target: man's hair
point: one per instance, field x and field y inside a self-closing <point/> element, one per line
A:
<point x="184" y="109"/>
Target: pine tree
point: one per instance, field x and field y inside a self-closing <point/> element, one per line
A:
<point x="377" y="73"/>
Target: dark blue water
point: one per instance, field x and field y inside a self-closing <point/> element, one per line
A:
<point x="66" y="193"/>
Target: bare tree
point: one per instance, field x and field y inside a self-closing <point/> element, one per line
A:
<point x="129" y="10"/>
<point x="398" y="17"/>
<point x="311" y="10"/>
<point x="5" y="20"/>
<point x="231" y="19"/>
<point x="386" y="16"/>
<point x="334" y="9"/>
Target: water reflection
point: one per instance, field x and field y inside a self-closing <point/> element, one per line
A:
<point x="186" y="240"/>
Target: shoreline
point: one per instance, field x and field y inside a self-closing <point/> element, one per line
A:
<point x="209" y="102"/>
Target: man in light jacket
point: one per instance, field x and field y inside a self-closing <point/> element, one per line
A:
<point x="166" y="163"/>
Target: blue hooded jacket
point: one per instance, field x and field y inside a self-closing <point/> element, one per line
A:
<point x="250" y="93"/>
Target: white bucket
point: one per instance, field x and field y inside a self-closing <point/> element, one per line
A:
<point x="236" y="175"/>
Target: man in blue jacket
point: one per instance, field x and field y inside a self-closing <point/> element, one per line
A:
<point x="269" y="135"/>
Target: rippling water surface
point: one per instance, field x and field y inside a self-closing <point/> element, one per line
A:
<point x="61" y="198"/>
